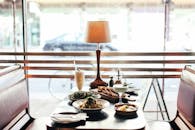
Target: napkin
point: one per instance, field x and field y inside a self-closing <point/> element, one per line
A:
<point x="68" y="118"/>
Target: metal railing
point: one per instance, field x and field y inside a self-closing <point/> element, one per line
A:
<point x="54" y="65"/>
<point x="132" y="64"/>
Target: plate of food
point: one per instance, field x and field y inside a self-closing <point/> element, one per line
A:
<point x="126" y="109"/>
<point x="82" y="95"/>
<point x="109" y="94"/>
<point x="91" y="104"/>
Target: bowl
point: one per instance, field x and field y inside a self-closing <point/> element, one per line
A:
<point x="120" y="88"/>
<point x="126" y="109"/>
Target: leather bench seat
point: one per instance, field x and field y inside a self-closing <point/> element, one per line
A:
<point x="14" y="102"/>
<point x="185" y="117"/>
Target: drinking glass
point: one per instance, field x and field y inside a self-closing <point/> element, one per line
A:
<point x="79" y="79"/>
<point x="120" y="89"/>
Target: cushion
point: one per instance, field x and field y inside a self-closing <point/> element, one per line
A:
<point x="13" y="96"/>
<point x="186" y="96"/>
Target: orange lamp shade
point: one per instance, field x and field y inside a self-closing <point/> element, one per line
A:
<point x="98" y="32"/>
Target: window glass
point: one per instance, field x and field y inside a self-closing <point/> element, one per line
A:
<point x="147" y="29"/>
<point x="128" y="22"/>
<point x="57" y="28"/>
<point x="11" y="35"/>
<point x="182" y="29"/>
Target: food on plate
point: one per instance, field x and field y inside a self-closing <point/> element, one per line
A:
<point x="108" y="93"/>
<point x="91" y="102"/>
<point x="126" y="108"/>
<point x="80" y="95"/>
<point x="108" y="90"/>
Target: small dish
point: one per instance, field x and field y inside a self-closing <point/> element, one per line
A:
<point x="126" y="109"/>
<point x="127" y="97"/>
<point x="120" y="88"/>
<point x="82" y="95"/>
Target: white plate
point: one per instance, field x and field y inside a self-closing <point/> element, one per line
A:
<point x="78" y="103"/>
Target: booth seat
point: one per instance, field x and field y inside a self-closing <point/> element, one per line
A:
<point x="14" y="101"/>
<point x="185" y="116"/>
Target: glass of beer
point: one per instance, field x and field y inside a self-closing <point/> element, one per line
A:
<point x="79" y="79"/>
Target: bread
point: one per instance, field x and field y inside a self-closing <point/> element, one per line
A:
<point x="109" y="94"/>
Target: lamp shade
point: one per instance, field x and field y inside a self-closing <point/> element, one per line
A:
<point x="98" y="32"/>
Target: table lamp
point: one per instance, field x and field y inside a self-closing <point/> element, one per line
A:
<point x="98" y="32"/>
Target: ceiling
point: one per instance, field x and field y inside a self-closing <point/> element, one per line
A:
<point x="185" y="3"/>
<point x="141" y="2"/>
<point x="98" y="1"/>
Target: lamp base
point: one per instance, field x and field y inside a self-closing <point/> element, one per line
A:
<point x="97" y="82"/>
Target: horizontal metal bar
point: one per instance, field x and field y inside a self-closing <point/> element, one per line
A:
<point x="91" y="53"/>
<point x="45" y="64"/>
<point x="104" y="69"/>
<point x="102" y="61"/>
<point x="103" y="76"/>
<point x="146" y="61"/>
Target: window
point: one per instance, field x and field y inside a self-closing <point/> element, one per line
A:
<point x="127" y="24"/>
<point x="11" y="34"/>
<point x="182" y="29"/>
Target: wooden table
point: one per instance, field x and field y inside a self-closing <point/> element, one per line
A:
<point x="104" y="120"/>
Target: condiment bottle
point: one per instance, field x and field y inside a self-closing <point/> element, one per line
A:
<point x="111" y="82"/>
